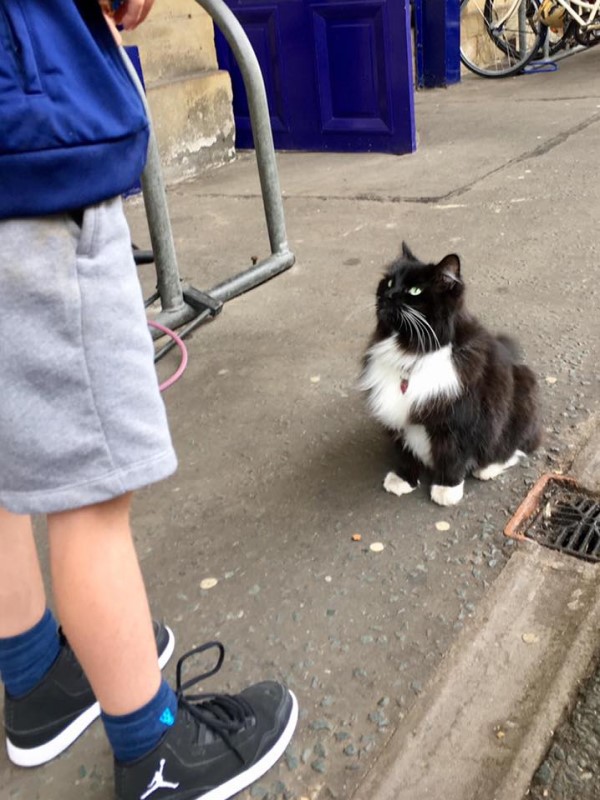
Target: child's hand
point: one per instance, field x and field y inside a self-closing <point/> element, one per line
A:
<point x="111" y="24"/>
<point x="129" y="13"/>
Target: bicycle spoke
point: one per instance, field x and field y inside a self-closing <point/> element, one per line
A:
<point x="499" y="37"/>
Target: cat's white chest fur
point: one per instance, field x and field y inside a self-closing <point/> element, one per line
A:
<point x="428" y="377"/>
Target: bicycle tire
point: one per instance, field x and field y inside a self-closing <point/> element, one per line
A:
<point x="494" y="51"/>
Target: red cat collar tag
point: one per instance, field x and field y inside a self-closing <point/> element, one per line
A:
<point x="403" y="385"/>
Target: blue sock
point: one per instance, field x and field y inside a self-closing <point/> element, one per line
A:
<point x="133" y="735"/>
<point x="26" y="658"/>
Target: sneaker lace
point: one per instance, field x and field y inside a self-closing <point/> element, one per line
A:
<point x="223" y="714"/>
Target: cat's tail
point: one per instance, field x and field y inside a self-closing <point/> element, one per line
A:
<point x="526" y="421"/>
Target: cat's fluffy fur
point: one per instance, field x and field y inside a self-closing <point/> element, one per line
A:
<point x="455" y="398"/>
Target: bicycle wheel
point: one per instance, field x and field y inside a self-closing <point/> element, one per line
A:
<point x="499" y="38"/>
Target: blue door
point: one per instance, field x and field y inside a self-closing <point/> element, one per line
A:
<point x="338" y="74"/>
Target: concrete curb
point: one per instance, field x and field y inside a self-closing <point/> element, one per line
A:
<point x="586" y="467"/>
<point x="486" y="719"/>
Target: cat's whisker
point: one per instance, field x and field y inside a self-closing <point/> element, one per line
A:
<point x="426" y="327"/>
<point x="413" y="323"/>
<point x="435" y="341"/>
<point x="431" y="336"/>
<point x="404" y="320"/>
<point x="409" y="324"/>
<point x="425" y="334"/>
<point x="418" y="328"/>
<point x="422" y="333"/>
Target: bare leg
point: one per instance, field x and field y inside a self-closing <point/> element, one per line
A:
<point x="22" y="595"/>
<point x="102" y="604"/>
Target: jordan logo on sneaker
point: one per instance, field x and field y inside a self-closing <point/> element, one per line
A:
<point x="158" y="782"/>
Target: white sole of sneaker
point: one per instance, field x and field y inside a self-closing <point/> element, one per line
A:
<point x="244" y="779"/>
<point x="166" y="654"/>
<point x="36" y="756"/>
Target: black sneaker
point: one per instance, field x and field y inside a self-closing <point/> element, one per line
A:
<point x="218" y="745"/>
<point x="44" y="722"/>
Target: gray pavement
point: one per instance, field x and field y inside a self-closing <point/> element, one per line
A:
<point x="280" y="464"/>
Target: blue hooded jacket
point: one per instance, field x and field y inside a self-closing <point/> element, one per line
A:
<point x="73" y="130"/>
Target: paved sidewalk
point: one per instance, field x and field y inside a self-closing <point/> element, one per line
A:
<point x="280" y="464"/>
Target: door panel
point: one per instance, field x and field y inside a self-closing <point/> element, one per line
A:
<point x="338" y="74"/>
<point x="351" y="72"/>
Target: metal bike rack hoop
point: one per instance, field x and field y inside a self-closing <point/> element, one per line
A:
<point x="176" y="310"/>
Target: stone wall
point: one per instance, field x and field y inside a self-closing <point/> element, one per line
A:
<point x="190" y="98"/>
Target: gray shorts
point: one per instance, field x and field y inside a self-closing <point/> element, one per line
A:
<point x="81" y="417"/>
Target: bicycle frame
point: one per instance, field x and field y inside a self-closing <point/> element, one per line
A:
<point x="592" y="8"/>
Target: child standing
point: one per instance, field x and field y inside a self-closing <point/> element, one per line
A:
<point x="82" y="426"/>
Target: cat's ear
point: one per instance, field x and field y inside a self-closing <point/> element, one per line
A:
<point x="407" y="253"/>
<point x="449" y="270"/>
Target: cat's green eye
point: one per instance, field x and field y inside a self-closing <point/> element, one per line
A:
<point x="415" y="290"/>
<point x="390" y="283"/>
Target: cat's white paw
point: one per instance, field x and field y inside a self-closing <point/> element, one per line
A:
<point x="394" y="484"/>
<point x="447" y="495"/>
<point x="493" y="470"/>
<point x="489" y="473"/>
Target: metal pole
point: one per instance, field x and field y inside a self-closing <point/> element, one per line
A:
<point x="259" y="116"/>
<point x="252" y="277"/>
<point x="181" y="303"/>
<point x="547" y="48"/>
<point x="157" y="212"/>
<point x="522" y="29"/>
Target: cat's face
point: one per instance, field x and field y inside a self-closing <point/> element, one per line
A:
<point x="418" y="301"/>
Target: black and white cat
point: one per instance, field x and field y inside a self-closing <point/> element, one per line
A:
<point x="453" y="396"/>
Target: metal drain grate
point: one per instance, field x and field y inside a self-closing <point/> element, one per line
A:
<point x="558" y="514"/>
<point x="570" y="523"/>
